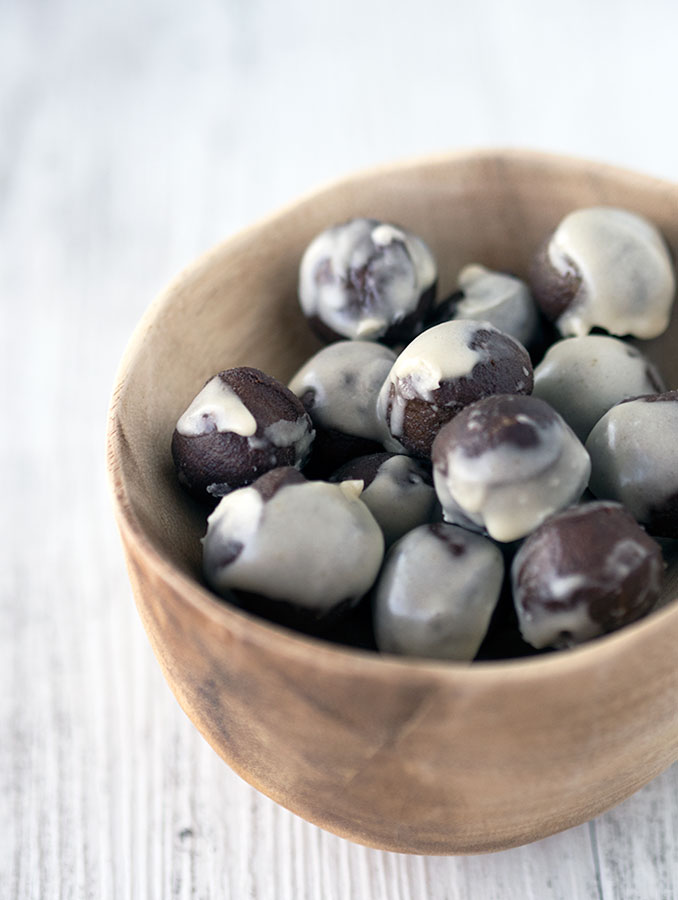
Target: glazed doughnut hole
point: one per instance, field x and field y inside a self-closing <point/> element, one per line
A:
<point x="583" y="377"/>
<point x="506" y="463"/>
<point x="339" y="387"/>
<point x="443" y="370"/>
<point x="585" y="572"/>
<point x="306" y="544"/>
<point x="608" y="268"/>
<point x="241" y="424"/>
<point x="367" y="280"/>
<point x="495" y="297"/>
<point x="397" y="489"/>
<point x="633" y="451"/>
<point x="437" y="592"/>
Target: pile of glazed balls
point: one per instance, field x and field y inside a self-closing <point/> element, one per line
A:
<point x="419" y="487"/>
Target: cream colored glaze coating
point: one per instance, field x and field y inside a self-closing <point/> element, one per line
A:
<point x="628" y="280"/>
<point x="438" y="354"/>
<point x="346" y="378"/>
<point x="432" y="601"/>
<point x="402" y="274"/>
<point x="502" y="300"/>
<point x="548" y="626"/>
<point x="313" y="544"/>
<point x="296" y="434"/>
<point x="285" y="433"/>
<point x="508" y="490"/>
<point x="583" y="377"/>
<point x="217" y="407"/>
<point x="634" y="455"/>
<point x="399" y="498"/>
<point x="542" y="629"/>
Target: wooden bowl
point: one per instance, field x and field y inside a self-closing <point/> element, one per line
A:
<point x="406" y="755"/>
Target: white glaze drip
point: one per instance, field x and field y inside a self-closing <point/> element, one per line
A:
<point x="548" y="628"/>
<point x="297" y="434"/>
<point x="217" y="408"/>
<point x="441" y="352"/>
<point x="385" y="234"/>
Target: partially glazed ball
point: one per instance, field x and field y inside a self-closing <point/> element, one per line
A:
<point x="436" y="593"/>
<point x="583" y="377"/>
<point x="608" y="268"/>
<point x="505" y="464"/>
<point x="241" y="424"/>
<point x="584" y="572"/>
<point x="442" y="371"/>
<point x="340" y="384"/>
<point x="634" y="460"/>
<point x="397" y="490"/>
<point x="369" y="280"/>
<point x="487" y="296"/>
<point x="338" y="387"/>
<point x="307" y="543"/>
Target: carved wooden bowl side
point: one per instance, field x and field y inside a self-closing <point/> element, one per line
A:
<point x="412" y="756"/>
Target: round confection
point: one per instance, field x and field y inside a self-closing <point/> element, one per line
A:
<point x="338" y="387"/>
<point x="240" y="425"/>
<point x="586" y="571"/>
<point x="505" y="464"/>
<point x="436" y="593"/>
<point x="487" y="296"/>
<point x="367" y="279"/>
<point x="308" y="543"/>
<point x="634" y="460"/>
<point x="583" y="377"/>
<point x="439" y="373"/>
<point x="608" y="268"/>
<point x="397" y="490"/>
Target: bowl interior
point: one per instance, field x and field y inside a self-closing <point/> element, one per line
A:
<point x="237" y="305"/>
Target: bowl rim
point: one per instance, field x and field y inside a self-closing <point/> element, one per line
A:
<point x="295" y="644"/>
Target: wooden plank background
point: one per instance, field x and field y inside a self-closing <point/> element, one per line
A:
<point x="133" y="135"/>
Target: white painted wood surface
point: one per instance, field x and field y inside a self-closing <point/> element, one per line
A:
<point x="133" y="135"/>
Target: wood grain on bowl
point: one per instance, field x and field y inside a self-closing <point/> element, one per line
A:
<point x="404" y="755"/>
